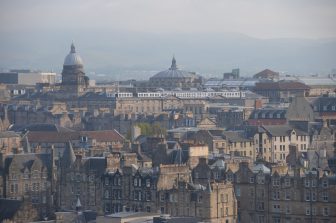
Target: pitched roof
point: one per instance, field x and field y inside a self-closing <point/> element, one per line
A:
<point x="281" y="85"/>
<point x="64" y="137"/>
<point x="8" y="134"/>
<point x="266" y="72"/>
<point x="235" y="136"/>
<point x="300" y="110"/>
<point x="8" y="208"/>
<point x="24" y="161"/>
<point x="282" y="130"/>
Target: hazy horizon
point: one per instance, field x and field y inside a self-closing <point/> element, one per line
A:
<point x="138" y="38"/>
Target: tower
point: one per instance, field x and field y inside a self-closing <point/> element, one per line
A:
<point x="74" y="81"/>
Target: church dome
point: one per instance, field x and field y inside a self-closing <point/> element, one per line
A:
<point x="173" y="72"/>
<point x="73" y="59"/>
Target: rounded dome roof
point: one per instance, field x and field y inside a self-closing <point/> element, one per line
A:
<point x="173" y="72"/>
<point x="73" y="58"/>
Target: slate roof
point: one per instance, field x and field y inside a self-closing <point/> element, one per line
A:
<point x="300" y="110"/>
<point x="42" y="127"/>
<point x="262" y="168"/>
<point x="8" y="134"/>
<point x="266" y="73"/>
<point x="282" y="130"/>
<point x="325" y="104"/>
<point x="235" y="136"/>
<point x="268" y="113"/>
<point x="27" y="160"/>
<point x="95" y="164"/>
<point x="8" y="208"/>
<point x="281" y="85"/>
<point x="68" y="156"/>
<point x="63" y="137"/>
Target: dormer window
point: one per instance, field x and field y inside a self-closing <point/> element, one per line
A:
<point x="84" y="139"/>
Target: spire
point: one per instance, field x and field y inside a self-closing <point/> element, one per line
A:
<point x="78" y="205"/>
<point x="27" y="145"/>
<point x="208" y="188"/>
<point x="73" y="50"/>
<point x="68" y="157"/>
<point x="173" y="66"/>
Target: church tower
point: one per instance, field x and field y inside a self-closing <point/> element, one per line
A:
<point x="74" y="81"/>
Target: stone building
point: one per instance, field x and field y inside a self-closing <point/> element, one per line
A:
<point x="29" y="178"/>
<point x="267" y="116"/>
<point x="79" y="178"/>
<point x="214" y="203"/>
<point x="227" y="142"/>
<point x="10" y="142"/>
<point x="265" y="196"/>
<point x="281" y="91"/>
<point x="267" y="74"/>
<point x="93" y="142"/>
<point x="273" y="141"/>
<point x="129" y="189"/>
<point x="175" y="78"/>
<point x="325" y="108"/>
<point x="74" y="81"/>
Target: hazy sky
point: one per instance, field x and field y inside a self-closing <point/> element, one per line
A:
<point x="256" y="18"/>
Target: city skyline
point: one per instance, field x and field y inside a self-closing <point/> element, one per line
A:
<point x="138" y="38"/>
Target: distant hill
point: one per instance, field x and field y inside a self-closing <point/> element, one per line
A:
<point x="122" y="54"/>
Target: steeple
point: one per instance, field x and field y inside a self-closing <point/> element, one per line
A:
<point x="68" y="157"/>
<point x="173" y="66"/>
<point x="208" y="188"/>
<point x="73" y="50"/>
<point x="78" y="205"/>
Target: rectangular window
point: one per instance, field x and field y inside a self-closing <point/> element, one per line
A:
<point x="287" y="195"/>
<point x="288" y="210"/>
<point x="287" y="182"/>
<point x="313" y="194"/>
<point x="238" y="192"/>
<point x="162" y="197"/>
<point x="325" y="196"/>
<point x="325" y="211"/>
<point x="251" y="179"/>
<point x="307" y="210"/>
<point x="325" y="183"/>
<point x="307" y="183"/>
<point x="307" y="195"/>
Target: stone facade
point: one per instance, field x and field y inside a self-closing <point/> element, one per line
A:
<point x="291" y="197"/>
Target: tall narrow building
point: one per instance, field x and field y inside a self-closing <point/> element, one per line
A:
<point x="74" y="81"/>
